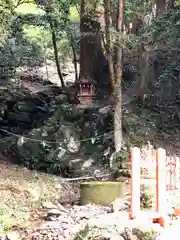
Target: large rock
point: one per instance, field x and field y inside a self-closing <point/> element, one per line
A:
<point x="28" y="107"/>
<point x="62" y="98"/>
<point x="62" y="136"/>
<point x="46" y="156"/>
<point x="19" y="117"/>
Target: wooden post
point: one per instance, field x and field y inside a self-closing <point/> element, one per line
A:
<point x="161" y="202"/>
<point x="135" y="183"/>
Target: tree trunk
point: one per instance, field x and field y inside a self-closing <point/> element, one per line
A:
<point x="109" y="47"/>
<point x="117" y="85"/>
<point x="74" y="56"/>
<point x="160" y="7"/>
<point x="54" y="41"/>
<point x="142" y="68"/>
<point x="90" y="44"/>
<point x="116" y="75"/>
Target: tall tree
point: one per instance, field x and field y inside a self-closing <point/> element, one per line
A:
<point x="54" y="13"/>
<point x="116" y="67"/>
<point x="117" y="82"/>
<point x="158" y="7"/>
<point x="54" y="42"/>
<point x="90" y="42"/>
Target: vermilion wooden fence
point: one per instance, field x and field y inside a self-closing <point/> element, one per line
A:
<point x="166" y="180"/>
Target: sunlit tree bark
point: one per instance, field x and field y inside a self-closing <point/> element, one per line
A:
<point x="117" y="68"/>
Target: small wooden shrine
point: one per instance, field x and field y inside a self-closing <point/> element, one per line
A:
<point x="85" y="90"/>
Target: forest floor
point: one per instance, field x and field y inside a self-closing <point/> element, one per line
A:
<point x="35" y="205"/>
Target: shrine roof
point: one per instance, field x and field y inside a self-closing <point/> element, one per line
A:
<point x="86" y="79"/>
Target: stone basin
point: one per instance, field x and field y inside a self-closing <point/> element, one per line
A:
<point x="100" y="192"/>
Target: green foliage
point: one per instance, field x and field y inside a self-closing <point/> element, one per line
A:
<point x="165" y="29"/>
<point x="177" y="3"/>
<point x="38" y="36"/>
<point x="29" y="8"/>
<point x="62" y="14"/>
<point x="164" y="32"/>
<point x="26" y="25"/>
<point x="136" y="8"/>
<point x="8" y="9"/>
<point x="74" y="15"/>
<point x="133" y="9"/>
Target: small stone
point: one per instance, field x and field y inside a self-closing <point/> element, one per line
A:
<point x="116" y="237"/>
<point x="97" y="172"/>
<point x="73" y="145"/>
<point x="105" y="110"/>
<point x="65" y="225"/>
<point x="51" y="218"/>
<point x="118" y="205"/>
<point x="87" y="163"/>
<point x="63" y="219"/>
<point x="49" y="205"/>
<point x="54" y="212"/>
<point x="127" y="203"/>
<point x="61" y="208"/>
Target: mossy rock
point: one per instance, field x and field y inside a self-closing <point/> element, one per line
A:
<point x="100" y="192"/>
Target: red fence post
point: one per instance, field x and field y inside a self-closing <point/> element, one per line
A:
<point x="177" y="183"/>
<point x="161" y="202"/>
<point x="135" y="182"/>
